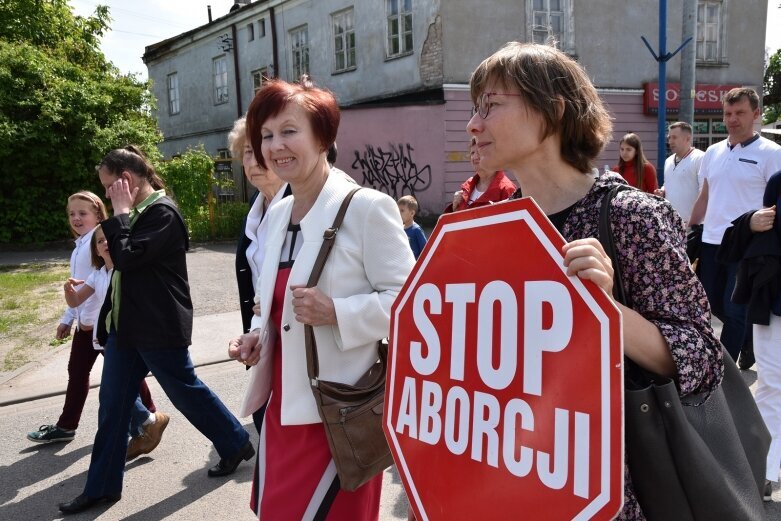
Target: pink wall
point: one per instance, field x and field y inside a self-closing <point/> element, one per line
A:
<point x="423" y="149"/>
<point x="628" y="116"/>
<point x="397" y="150"/>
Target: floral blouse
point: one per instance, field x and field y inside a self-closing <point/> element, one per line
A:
<point x="650" y="240"/>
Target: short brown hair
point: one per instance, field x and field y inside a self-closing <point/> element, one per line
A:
<point x="734" y="95"/>
<point x="685" y="127"/>
<point x="545" y="76"/>
<point x="319" y="104"/>
<point x="408" y="202"/>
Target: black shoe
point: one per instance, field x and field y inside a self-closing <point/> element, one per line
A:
<point x="228" y="465"/>
<point x="83" y="502"/>
<point x="746" y="358"/>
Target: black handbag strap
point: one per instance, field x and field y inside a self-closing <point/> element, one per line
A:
<point x="329" y="237"/>
<point x="634" y="375"/>
<point x="608" y="242"/>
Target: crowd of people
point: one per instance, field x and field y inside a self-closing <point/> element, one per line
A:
<point x="538" y="117"/>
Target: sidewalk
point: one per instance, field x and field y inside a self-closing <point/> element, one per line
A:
<point x="50" y="378"/>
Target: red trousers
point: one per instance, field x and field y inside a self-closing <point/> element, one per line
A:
<point x="82" y="358"/>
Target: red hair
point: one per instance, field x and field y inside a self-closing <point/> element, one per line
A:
<point x="319" y="104"/>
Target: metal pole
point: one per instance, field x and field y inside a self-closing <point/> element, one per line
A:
<point x="688" y="62"/>
<point x="662" y="115"/>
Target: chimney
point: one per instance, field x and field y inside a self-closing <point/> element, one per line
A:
<point x="209" y="10"/>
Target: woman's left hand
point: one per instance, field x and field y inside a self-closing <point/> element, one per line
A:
<point x="586" y="259"/>
<point x="313" y="307"/>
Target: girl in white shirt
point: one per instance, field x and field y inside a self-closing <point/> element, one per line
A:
<point x="88" y="260"/>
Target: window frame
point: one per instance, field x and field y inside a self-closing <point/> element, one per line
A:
<point x="258" y="73"/>
<point x="262" y="28"/>
<point x="299" y="65"/>
<point x="403" y="19"/>
<point x="221" y="94"/>
<point x="176" y="98"/>
<point x="566" y="43"/>
<point x="718" y="29"/>
<point x="250" y="31"/>
<point x="344" y="36"/>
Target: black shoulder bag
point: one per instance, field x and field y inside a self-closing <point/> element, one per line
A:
<point x="351" y="414"/>
<point x="692" y="458"/>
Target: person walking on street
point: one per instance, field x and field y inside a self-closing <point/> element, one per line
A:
<point x="548" y="133"/>
<point x="481" y="189"/>
<point x="291" y="127"/>
<point x="633" y="166"/>
<point x="146" y="324"/>
<point x="681" y="170"/>
<point x="734" y="174"/>
<point x="85" y="211"/>
<point x="252" y="241"/>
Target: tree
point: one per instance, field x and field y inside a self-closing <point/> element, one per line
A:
<point x="772" y="88"/>
<point x="62" y="107"/>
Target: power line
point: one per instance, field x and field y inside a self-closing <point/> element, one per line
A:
<point x="142" y="16"/>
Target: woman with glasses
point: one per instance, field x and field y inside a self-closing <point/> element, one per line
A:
<point x="538" y="115"/>
<point x="481" y="189"/>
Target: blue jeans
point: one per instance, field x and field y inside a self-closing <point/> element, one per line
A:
<point x="718" y="279"/>
<point x="173" y="369"/>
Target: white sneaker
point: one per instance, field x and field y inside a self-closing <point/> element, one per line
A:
<point x="768" y="493"/>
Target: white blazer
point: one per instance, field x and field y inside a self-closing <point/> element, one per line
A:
<point x="364" y="273"/>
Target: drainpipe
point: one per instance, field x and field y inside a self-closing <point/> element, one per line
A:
<point x="239" y="111"/>
<point x="275" y="50"/>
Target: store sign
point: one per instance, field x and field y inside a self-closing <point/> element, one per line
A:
<point x="707" y="98"/>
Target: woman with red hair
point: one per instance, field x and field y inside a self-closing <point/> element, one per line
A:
<point x="291" y="127"/>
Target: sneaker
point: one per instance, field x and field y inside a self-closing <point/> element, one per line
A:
<point x="746" y="358"/>
<point x="149" y="440"/>
<point x="768" y="493"/>
<point x="49" y="434"/>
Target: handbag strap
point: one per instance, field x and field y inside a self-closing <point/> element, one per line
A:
<point x="608" y="242"/>
<point x="329" y="237"/>
<point x="633" y="372"/>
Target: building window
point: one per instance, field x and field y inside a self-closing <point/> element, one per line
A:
<point x="399" y="27"/>
<point x="173" y="93"/>
<point x="709" y="27"/>
<point x="344" y="40"/>
<point x="708" y="131"/>
<point x="220" y="67"/>
<point x="551" y="22"/>
<point x="299" y="45"/>
<point x="250" y="32"/>
<point x="259" y="77"/>
<point x="261" y="28"/>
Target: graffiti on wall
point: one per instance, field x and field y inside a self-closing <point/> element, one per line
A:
<point x="392" y="171"/>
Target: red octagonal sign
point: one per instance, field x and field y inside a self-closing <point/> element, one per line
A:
<point x="504" y="390"/>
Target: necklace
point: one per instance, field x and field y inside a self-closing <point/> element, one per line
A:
<point x="677" y="161"/>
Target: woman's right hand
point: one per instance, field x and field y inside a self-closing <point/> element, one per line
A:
<point x="457" y="198"/>
<point x="63" y="331"/>
<point x="246" y="348"/>
<point x="121" y="196"/>
<point x="762" y="220"/>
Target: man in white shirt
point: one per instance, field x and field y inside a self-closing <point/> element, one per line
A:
<point x="681" y="169"/>
<point x="734" y="173"/>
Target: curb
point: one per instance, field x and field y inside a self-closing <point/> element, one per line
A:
<point x="40" y="396"/>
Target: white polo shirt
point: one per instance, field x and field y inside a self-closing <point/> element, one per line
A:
<point x="682" y="183"/>
<point x="736" y="181"/>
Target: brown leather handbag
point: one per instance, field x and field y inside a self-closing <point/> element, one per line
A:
<point x="351" y="414"/>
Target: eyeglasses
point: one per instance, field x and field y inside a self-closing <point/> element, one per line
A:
<point x="484" y="105"/>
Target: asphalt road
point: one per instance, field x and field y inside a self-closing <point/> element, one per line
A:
<point x="170" y="483"/>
